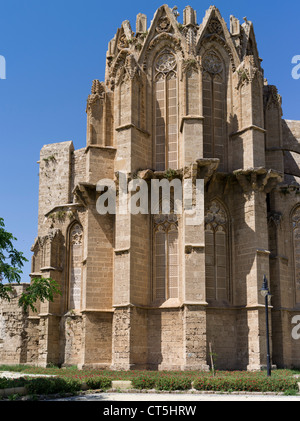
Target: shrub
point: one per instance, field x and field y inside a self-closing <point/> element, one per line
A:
<point x="100" y="382"/>
<point x="51" y="385"/>
<point x="143" y="382"/>
<point x="173" y="383"/>
<point x="11" y="383"/>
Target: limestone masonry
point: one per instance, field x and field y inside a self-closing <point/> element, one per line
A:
<point x="179" y="100"/>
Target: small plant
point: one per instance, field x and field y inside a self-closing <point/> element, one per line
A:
<point x="13" y="397"/>
<point x="169" y="174"/>
<point x="50" y="158"/>
<point x="285" y="190"/>
<point x="290" y="392"/>
<point x="61" y="215"/>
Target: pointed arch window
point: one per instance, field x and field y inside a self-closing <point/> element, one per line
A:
<point x="75" y="266"/>
<point x="166" y="258"/>
<point x="217" y="256"/>
<point x="166" y="111"/>
<point x="214" y="109"/>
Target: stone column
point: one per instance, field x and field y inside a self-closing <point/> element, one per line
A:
<point x="194" y="295"/>
<point x="248" y="142"/>
<point x="252" y="255"/>
<point x="131" y="247"/>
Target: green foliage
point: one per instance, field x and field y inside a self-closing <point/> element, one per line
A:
<point x="172" y="383"/>
<point x="50" y="158"/>
<point x="40" y="289"/>
<point x="101" y="382"/>
<point x="52" y="385"/>
<point x="143" y="381"/>
<point x="11" y="383"/>
<point x="70" y="379"/>
<point x="169" y="174"/>
<point x="246" y="383"/>
<point x="11" y="263"/>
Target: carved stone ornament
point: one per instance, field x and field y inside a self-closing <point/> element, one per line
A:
<point x="166" y="62"/>
<point x="275" y="218"/>
<point x="247" y="71"/>
<point x="165" y="222"/>
<point x="163" y="25"/>
<point x="296" y="218"/>
<point x="214" y="27"/>
<point x="272" y="97"/>
<point x="123" y="42"/>
<point x="131" y="66"/>
<point x="76" y="235"/>
<point x="212" y="64"/>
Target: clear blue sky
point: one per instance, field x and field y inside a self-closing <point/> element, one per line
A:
<point x="55" y="48"/>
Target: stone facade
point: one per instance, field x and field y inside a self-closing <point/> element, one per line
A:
<point x="143" y="292"/>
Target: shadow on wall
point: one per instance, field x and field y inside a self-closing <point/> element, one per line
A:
<point x="291" y="150"/>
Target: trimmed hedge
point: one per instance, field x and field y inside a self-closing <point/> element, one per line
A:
<point x="245" y="384"/>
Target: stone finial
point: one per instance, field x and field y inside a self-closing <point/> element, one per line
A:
<point x="235" y="28"/>
<point x="97" y="88"/>
<point x="141" y="23"/>
<point x="175" y="12"/>
<point x="189" y="16"/>
<point x="111" y="47"/>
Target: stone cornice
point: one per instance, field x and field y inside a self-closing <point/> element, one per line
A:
<point x="245" y="129"/>
<point x="258" y="179"/>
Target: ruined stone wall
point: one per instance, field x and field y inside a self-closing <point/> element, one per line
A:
<point x="55" y="179"/>
<point x="78" y="169"/>
<point x="72" y="339"/>
<point x="18" y="335"/>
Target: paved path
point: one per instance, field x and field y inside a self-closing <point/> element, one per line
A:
<point x="17" y="375"/>
<point x="178" y="397"/>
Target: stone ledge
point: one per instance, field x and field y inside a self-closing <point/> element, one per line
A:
<point x="121" y="384"/>
<point x="22" y="391"/>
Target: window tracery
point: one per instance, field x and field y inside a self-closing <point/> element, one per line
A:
<point x="166" y="111"/>
<point x="166" y="264"/>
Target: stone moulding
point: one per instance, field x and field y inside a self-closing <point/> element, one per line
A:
<point x="245" y="129"/>
<point x="190" y="118"/>
<point x="132" y="126"/>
